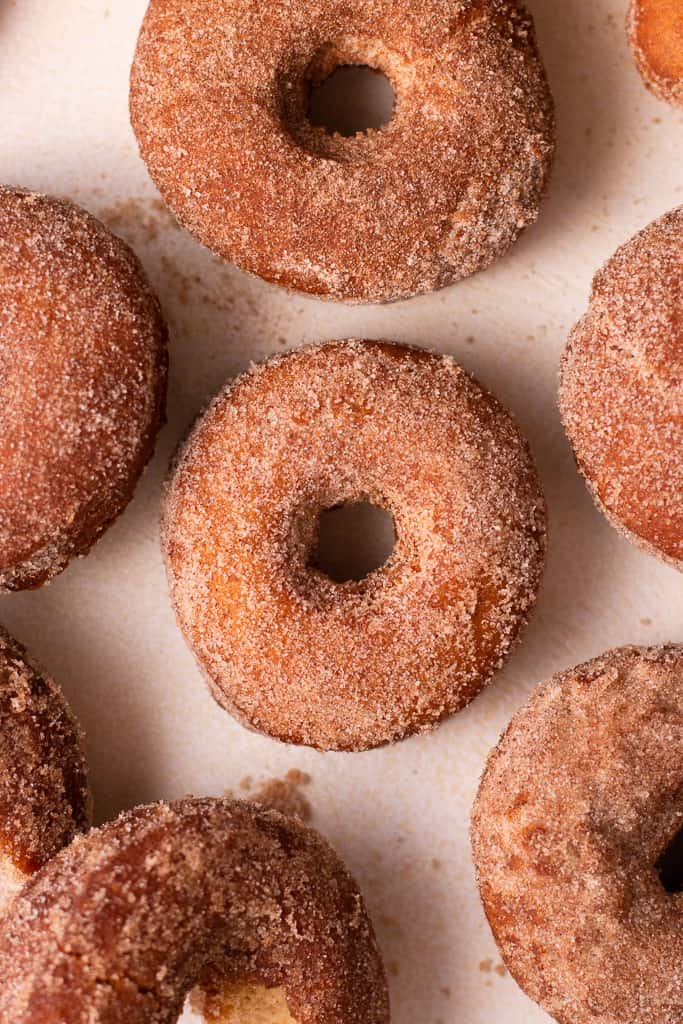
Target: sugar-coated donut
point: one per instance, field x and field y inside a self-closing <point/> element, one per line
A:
<point x="348" y="666"/>
<point x="656" y="36"/>
<point x="579" y="802"/>
<point x="621" y="389"/>
<point x="219" y="102"/>
<point x="82" y="382"/>
<point x="118" y="928"/>
<point x="44" y="796"/>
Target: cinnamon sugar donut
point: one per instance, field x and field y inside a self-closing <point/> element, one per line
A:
<point x="82" y="383"/>
<point x="220" y="100"/>
<point x="656" y="36"/>
<point x="348" y="666"/>
<point x="573" y="831"/>
<point x="621" y="389"/>
<point x="44" y="797"/>
<point x="121" y="925"/>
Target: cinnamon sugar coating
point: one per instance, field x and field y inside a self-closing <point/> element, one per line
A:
<point x="348" y="666"/>
<point x="655" y="29"/>
<point x="219" y="103"/>
<point x="621" y="389"/>
<point x="578" y="802"/>
<point x="44" y="796"/>
<point x="121" y="925"/>
<point x="82" y="382"/>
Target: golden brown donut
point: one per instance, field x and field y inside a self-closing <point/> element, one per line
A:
<point x="219" y="102"/>
<point x="579" y="801"/>
<point x="656" y="35"/>
<point x="348" y="666"/>
<point x="44" y="796"/>
<point x="621" y="389"/>
<point x="82" y="382"/>
<point x="120" y="926"/>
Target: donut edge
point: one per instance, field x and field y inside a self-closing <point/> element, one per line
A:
<point x="668" y="90"/>
<point x="53" y="558"/>
<point x="12" y="651"/>
<point x="587" y="322"/>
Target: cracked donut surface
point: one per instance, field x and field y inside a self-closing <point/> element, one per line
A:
<point x="121" y="925"/>
<point x="621" y="389"/>
<point x="44" y="796"/>
<point x="353" y="665"/>
<point x="219" y="103"/>
<point x="82" y="382"/>
<point x="580" y="801"/>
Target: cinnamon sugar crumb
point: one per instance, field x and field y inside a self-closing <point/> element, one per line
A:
<point x="283" y="795"/>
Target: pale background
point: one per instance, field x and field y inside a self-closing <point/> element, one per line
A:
<point x="105" y="628"/>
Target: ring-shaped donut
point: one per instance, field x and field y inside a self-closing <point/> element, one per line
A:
<point x="118" y="928"/>
<point x="219" y="102"/>
<point x="575" y="831"/>
<point x="352" y="665"/>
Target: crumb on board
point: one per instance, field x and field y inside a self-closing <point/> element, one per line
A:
<point x="283" y="795"/>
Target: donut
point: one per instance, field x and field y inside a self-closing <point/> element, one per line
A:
<point x="656" y="35"/>
<point x="82" y="378"/>
<point x="621" y="389"/>
<point x="122" y="924"/>
<point x="219" y="102"/>
<point x="357" y="664"/>
<point x="573" y="833"/>
<point x="44" y="796"/>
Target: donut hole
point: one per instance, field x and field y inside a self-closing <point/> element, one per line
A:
<point x="352" y="100"/>
<point x="670" y="865"/>
<point x="243" y="1003"/>
<point x="354" y="540"/>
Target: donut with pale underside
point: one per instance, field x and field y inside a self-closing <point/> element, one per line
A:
<point x="118" y="928"/>
<point x="577" y="839"/>
<point x="44" y="795"/>
<point x="655" y="30"/>
<point x="83" y="353"/>
<point x="348" y="666"/>
<point x="621" y="389"/>
<point x="220" y="99"/>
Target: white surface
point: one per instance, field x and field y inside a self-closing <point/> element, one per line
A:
<point x="105" y="628"/>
